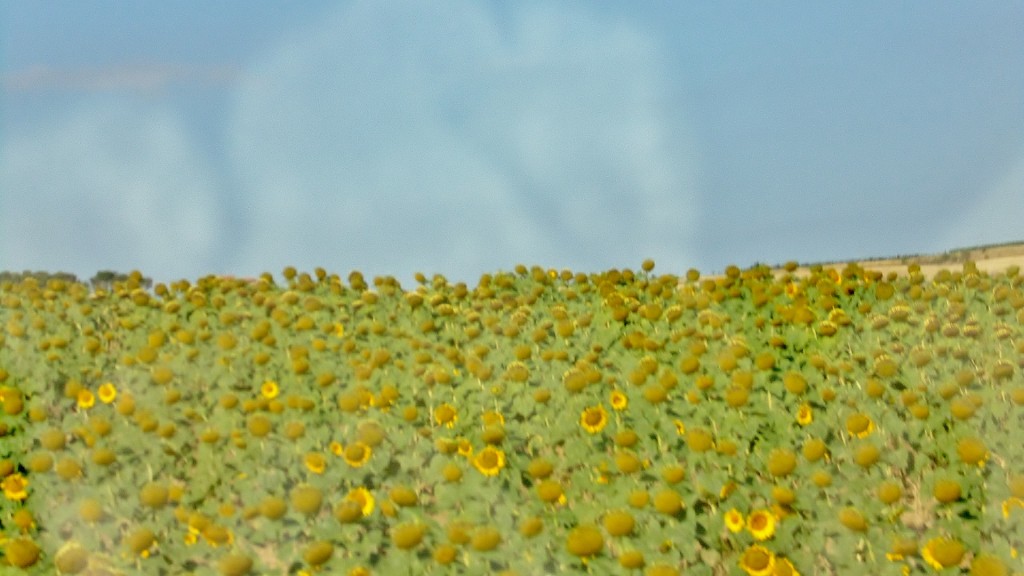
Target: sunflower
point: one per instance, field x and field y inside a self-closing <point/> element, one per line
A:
<point x="217" y="535"/>
<point x="142" y="542"/>
<point x="269" y="390"/>
<point x="972" y="451"/>
<point x="761" y="524"/>
<point x="336" y="448"/>
<point x="362" y="497"/>
<point x="594" y="419"/>
<point x="107" y="392"/>
<point x="357" y="454"/>
<point x="941" y="553"/>
<point x="445" y="415"/>
<point x="493" y="418"/>
<point x="489" y="461"/>
<point x="619" y="400"/>
<point x="726" y="490"/>
<point x="783" y="567"/>
<point x="680" y="427"/>
<point x="86" y="399"/>
<point x="758" y="561"/>
<point x="1010" y="503"/>
<point x="804" y="415"/>
<point x="315" y="462"/>
<point x="734" y="520"/>
<point x="584" y="541"/>
<point x="15" y="486"/>
<point x="551" y="491"/>
<point x="860" y="425"/>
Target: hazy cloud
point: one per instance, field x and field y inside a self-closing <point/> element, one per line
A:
<point x="107" y="187"/>
<point x="997" y="213"/>
<point x="146" y="78"/>
<point x="439" y="137"/>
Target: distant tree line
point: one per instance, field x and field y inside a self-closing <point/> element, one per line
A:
<point x="41" y="277"/>
<point x="107" y="278"/>
<point x="104" y="279"/>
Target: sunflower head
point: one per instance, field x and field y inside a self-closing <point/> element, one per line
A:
<point x="594" y="419"/>
<point x="859" y="424"/>
<point x="269" y="390"/>
<point x="619" y="400"/>
<point x="15" y="487"/>
<point x="86" y="399"/>
<point x="357" y="453"/>
<point x="445" y="415"/>
<point x="758" y="561"/>
<point x="972" y="451"/>
<point x="107" y="392"/>
<point x="761" y="524"/>
<point x="584" y="541"/>
<point x="804" y="415"/>
<point x="315" y="462"/>
<point x="734" y="521"/>
<point x="941" y="553"/>
<point x="362" y="497"/>
<point x="489" y="461"/>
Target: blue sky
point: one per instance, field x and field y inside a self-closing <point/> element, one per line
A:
<point x="189" y="138"/>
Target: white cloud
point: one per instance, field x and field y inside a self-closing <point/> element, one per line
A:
<point x="107" y="187"/>
<point x="439" y="137"/>
<point x="997" y="214"/>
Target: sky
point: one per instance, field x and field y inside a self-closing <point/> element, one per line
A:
<point x="461" y="138"/>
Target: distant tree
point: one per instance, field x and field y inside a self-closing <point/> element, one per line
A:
<point x="39" y="276"/>
<point x="106" y="279"/>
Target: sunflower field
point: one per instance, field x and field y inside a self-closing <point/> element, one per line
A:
<point x="542" y="422"/>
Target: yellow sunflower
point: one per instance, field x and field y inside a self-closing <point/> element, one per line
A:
<point x="217" y="535"/>
<point x="941" y="553"/>
<point x="489" y="461"/>
<point x="1010" y="503"/>
<point x="86" y="399"/>
<point x="761" y="524"/>
<point x="364" y="498"/>
<point x="445" y="415"/>
<point x="493" y="418"/>
<point x="594" y="419"/>
<point x="734" y="520"/>
<point x="15" y="487"/>
<point x="269" y="390"/>
<point x="107" y="392"/>
<point x="804" y="415"/>
<point x="726" y="490"/>
<point x="315" y="462"/>
<point x="619" y="400"/>
<point x="758" y="561"/>
<point x="783" y="567"/>
<point x="859" y="425"/>
<point x="336" y="448"/>
<point x="357" y="454"/>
